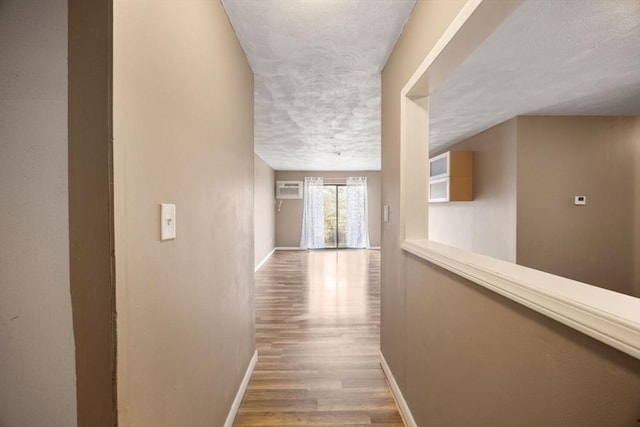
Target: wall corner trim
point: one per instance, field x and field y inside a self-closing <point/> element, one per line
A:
<point x="607" y="316"/>
<point x="243" y="387"/>
<point x="405" y="412"/>
<point x="261" y="263"/>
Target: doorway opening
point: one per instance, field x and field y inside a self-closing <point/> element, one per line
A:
<point x="335" y="215"/>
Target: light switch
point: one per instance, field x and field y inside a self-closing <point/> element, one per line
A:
<point x="580" y="200"/>
<point x="167" y="221"/>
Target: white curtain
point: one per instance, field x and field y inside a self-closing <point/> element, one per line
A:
<point x="312" y="236"/>
<point x="357" y="213"/>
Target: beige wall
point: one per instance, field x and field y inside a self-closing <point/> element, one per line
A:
<point x="427" y="22"/>
<point x="183" y="127"/>
<point x="289" y="219"/>
<point x="552" y="159"/>
<point x="461" y="354"/>
<point x="636" y="208"/>
<point x="562" y="157"/>
<point x="37" y="365"/>
<point x="264" y="217"/>
<point x="487" y="224"/>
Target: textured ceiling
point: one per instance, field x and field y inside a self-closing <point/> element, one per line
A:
<point x="554" y="57"/>
<point x="317" y="73"/>
<point x="317" y="70"/>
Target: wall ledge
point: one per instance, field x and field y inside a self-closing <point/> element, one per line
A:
<point x="607" y="316"/>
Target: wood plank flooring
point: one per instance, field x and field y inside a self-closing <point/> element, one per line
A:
<point x="317" y="334"/>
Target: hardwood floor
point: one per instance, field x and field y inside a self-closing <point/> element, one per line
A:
<point x="317" y="334"/>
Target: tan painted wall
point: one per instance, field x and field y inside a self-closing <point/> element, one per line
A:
<point x="636" y="208"/>
<point x="183" y="125"/>
<point x="463" y="355"/>
<point x="427" y="22"/>
<point x="289" y="219"/>
<point x="264" y="214"/>
<point x="562" y="157"/>
<point x="37" y="364"/>
<point x="487" y="224"/>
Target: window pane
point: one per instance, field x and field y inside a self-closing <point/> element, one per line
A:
<point x="438" y="167"/>
<point x="438" y="190"/>
<point x="342" y="216"/>
<point x="330" y="218"/>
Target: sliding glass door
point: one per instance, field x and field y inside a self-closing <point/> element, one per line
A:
<point x="335" y="216"/>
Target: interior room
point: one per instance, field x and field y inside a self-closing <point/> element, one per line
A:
<point x="555" y="151"/>
<point x="319" y="212"/>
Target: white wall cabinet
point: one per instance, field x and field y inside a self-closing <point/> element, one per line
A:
<point x="451" y="177"/>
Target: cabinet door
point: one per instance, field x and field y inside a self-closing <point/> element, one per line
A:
<point x="439" y="166"/>
<point x="439" y="190"/>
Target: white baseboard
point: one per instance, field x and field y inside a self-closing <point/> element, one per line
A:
<point x="264" y="260"/>
<point x="243" y="387"/>
<point x="397" y="394"/>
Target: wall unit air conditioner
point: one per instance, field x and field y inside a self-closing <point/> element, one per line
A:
<point x="289" y="190"/>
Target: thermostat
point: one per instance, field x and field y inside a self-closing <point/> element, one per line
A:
<point x="580" y="200"/>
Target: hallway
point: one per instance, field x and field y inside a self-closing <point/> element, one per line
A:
<point x="317" y="336"/>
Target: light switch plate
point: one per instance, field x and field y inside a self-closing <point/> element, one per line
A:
<point x="167" y="221"/>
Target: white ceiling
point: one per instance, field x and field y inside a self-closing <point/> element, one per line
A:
<point x="317" y="73"/>
<point x="317" y="70"/>
<point x="550" y="57"/>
